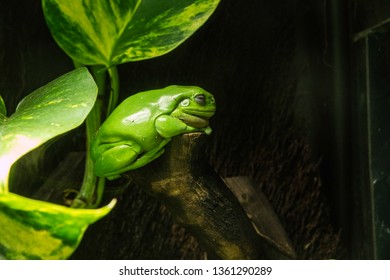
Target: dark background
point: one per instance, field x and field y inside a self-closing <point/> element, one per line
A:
<point x="290" y="82"/>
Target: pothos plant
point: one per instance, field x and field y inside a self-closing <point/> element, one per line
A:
<point x="103" y="34"/>
<point x="99" y="35"/>
<point x="36" y="229"/>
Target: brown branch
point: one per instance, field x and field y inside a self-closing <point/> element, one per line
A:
<point x="197" y="197"/>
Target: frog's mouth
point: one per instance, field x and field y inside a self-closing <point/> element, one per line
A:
<point x="196" y="118"/>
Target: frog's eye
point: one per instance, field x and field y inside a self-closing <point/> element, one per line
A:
<point x="185" y="102"/>
<point x="200" y="99"/>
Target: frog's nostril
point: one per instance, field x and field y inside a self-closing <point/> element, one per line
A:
<point x="200" y="99"/>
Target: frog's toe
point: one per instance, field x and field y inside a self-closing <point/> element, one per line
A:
<point x="113" y="177"/>
<point x="208" y="130"/>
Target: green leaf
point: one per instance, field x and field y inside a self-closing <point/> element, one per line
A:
<point x="118" y="31"/>
<point x="51" y="110"/>
<point x="31" y="229"/>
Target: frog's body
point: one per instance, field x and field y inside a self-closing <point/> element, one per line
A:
<point x="139" y="128"/>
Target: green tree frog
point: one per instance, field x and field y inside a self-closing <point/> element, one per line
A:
<point x="139" y="128"/>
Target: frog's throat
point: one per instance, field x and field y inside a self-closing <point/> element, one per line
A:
<point x="194" y="121"/>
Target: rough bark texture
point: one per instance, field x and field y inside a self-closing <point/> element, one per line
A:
<point x="200" y="201"/>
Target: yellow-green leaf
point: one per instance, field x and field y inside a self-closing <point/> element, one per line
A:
<point x="51" y="110"/>
<point x="111" y="32"/>
<point x="32" y="229"/>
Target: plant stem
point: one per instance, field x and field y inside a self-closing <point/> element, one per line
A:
<point x="4" y="180"/>
<point x="114" y="92"/>
<point x="87" y="197"/>
<point x="92" y="188"/>
<point x="6" y="172"/>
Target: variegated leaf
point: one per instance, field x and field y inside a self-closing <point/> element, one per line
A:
<point x="51" y="110"/>
<point x="111" y="32"/>
<point x="32" y="229"/>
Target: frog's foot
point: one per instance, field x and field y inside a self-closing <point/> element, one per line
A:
<point x="111" y="162"/>
<point x="147" y="157"/>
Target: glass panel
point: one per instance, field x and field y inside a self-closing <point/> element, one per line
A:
<point x="379" y="132"/>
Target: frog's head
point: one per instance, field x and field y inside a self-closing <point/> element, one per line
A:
<point x="195" y="107"/>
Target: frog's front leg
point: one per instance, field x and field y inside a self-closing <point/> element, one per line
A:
<point x="111" y="158"/>
<point x="169" y="127"/>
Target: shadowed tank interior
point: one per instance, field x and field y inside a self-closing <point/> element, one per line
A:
<point x="280" y="73"/>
